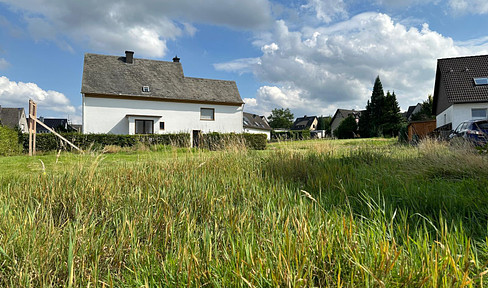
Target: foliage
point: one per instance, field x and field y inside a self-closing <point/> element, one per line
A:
<point x="347" y="129"/>
<point x="281" y="118"/>
<point x="403" y="133"/>
<point x="382" y="115"/>
<point x="49" y="141"/>
<point x="324" y="123"/>
<point x="425" y="112"/>
<point x="345" y="213"/>
<point x="290" y="135"/>
<point x="9" y="141"/>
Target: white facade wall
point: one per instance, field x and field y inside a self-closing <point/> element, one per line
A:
<point x="117" y="116"/>
<point x="257" y="131"/>
<point x="458" y="113"/>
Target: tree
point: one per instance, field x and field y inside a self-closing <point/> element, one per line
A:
<point x="281" y="118"/>
<point x="347" y="129"/>
<point x="425" y="112"/>
<point x="382" y="115"/>
<point x="324" y="123"/>
<point x="391" y="119"/>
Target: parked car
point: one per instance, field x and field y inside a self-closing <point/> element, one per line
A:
<point x="475" y="131"/>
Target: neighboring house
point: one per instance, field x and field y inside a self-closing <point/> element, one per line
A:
<point x="127" y="95"/>
<point x="413" y="110"/>
<point x="340" y="115"/>
<point x="460" y="91"/>
<point x="57" y="124"/>
<point x="256" y="124"/>
<point x="14" y="118"/>
<point x="305" y="123"/>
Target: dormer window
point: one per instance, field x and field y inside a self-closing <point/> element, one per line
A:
<point x="145" y="88"/>
<point x="480" y="81"/>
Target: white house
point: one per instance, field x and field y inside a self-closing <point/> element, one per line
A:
<point x="256" y="124"/>
<point x="127" y="95"/>
<point x="461" y="90"/>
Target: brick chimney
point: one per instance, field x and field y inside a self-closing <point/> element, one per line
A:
<point x="129" y="57"/>
<point x="176" y="59"/>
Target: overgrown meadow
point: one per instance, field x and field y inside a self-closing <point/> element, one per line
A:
<point x="355" y="213"/>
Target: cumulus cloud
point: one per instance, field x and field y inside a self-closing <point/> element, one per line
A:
<point x="318" y="69"/>
<point x="144" y="26"/>
<point x="17" y="94"/>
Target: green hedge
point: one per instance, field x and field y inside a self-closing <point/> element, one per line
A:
<point x="49" y="142"/>
<point x="219" y="141"/>
<point x="9" y="142"/>
<point x="212" y="141"/>
<point x="291" y="135"/>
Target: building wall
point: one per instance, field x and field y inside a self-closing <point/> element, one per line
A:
<point x="458" y="113"/>
<point x="117" y="116"/>
<point x="257" y="131"/>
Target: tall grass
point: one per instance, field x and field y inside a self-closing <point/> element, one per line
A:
<point x="323" y="213"/>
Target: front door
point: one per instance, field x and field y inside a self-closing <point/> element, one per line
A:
<point x="196" y="138"/>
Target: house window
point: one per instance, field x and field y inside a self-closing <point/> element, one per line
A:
<point x="478" y="113"/>
<point x="145" y="88"/>
<point x="161" y="125"/>
<point x="144" y="126"/>
<point x="207" y="114"/>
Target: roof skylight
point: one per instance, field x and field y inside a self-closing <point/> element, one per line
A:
<point x="481" y="81"/>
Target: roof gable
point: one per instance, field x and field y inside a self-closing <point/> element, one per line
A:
<point x="112" y="76"/>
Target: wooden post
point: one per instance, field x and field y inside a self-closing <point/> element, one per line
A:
<point x="32" y="129"/>
<point x="34" y="110"/>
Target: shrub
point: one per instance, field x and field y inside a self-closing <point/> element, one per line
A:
<point x="291" y="135"/>
<point x="9" y="142"/>
<point x="347" y="129"/>
<point x="49" y="142"/>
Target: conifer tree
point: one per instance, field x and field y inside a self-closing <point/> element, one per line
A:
<point x="382" y="116"/>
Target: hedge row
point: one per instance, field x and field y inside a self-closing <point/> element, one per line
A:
<point x="291" y="135"/>
<point x="9" y="142"/>
<point x="212" y="141"/>
<point x="219" y="141"/>
<point x="49" y="141"/>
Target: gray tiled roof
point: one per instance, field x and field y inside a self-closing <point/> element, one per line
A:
<point x="255" y="121"/>
<point x="457" y="77"/>
<point x="10" y="116"/>
<point x="111" y="75"/>
<point x="345" y="113"/>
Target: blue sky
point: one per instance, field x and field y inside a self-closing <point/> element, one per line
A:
<point x="312" y="56"/>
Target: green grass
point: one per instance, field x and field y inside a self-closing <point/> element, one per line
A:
<point x="351" y="213"/>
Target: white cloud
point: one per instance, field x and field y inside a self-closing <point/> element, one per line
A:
<point x="144" y="26"/>
<point x="17" y="94"/>
<point x="327" y="10"/>
<point x="469" y="7"/>
<point x="318" y="69"/>
<point x="240" y="65"/>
